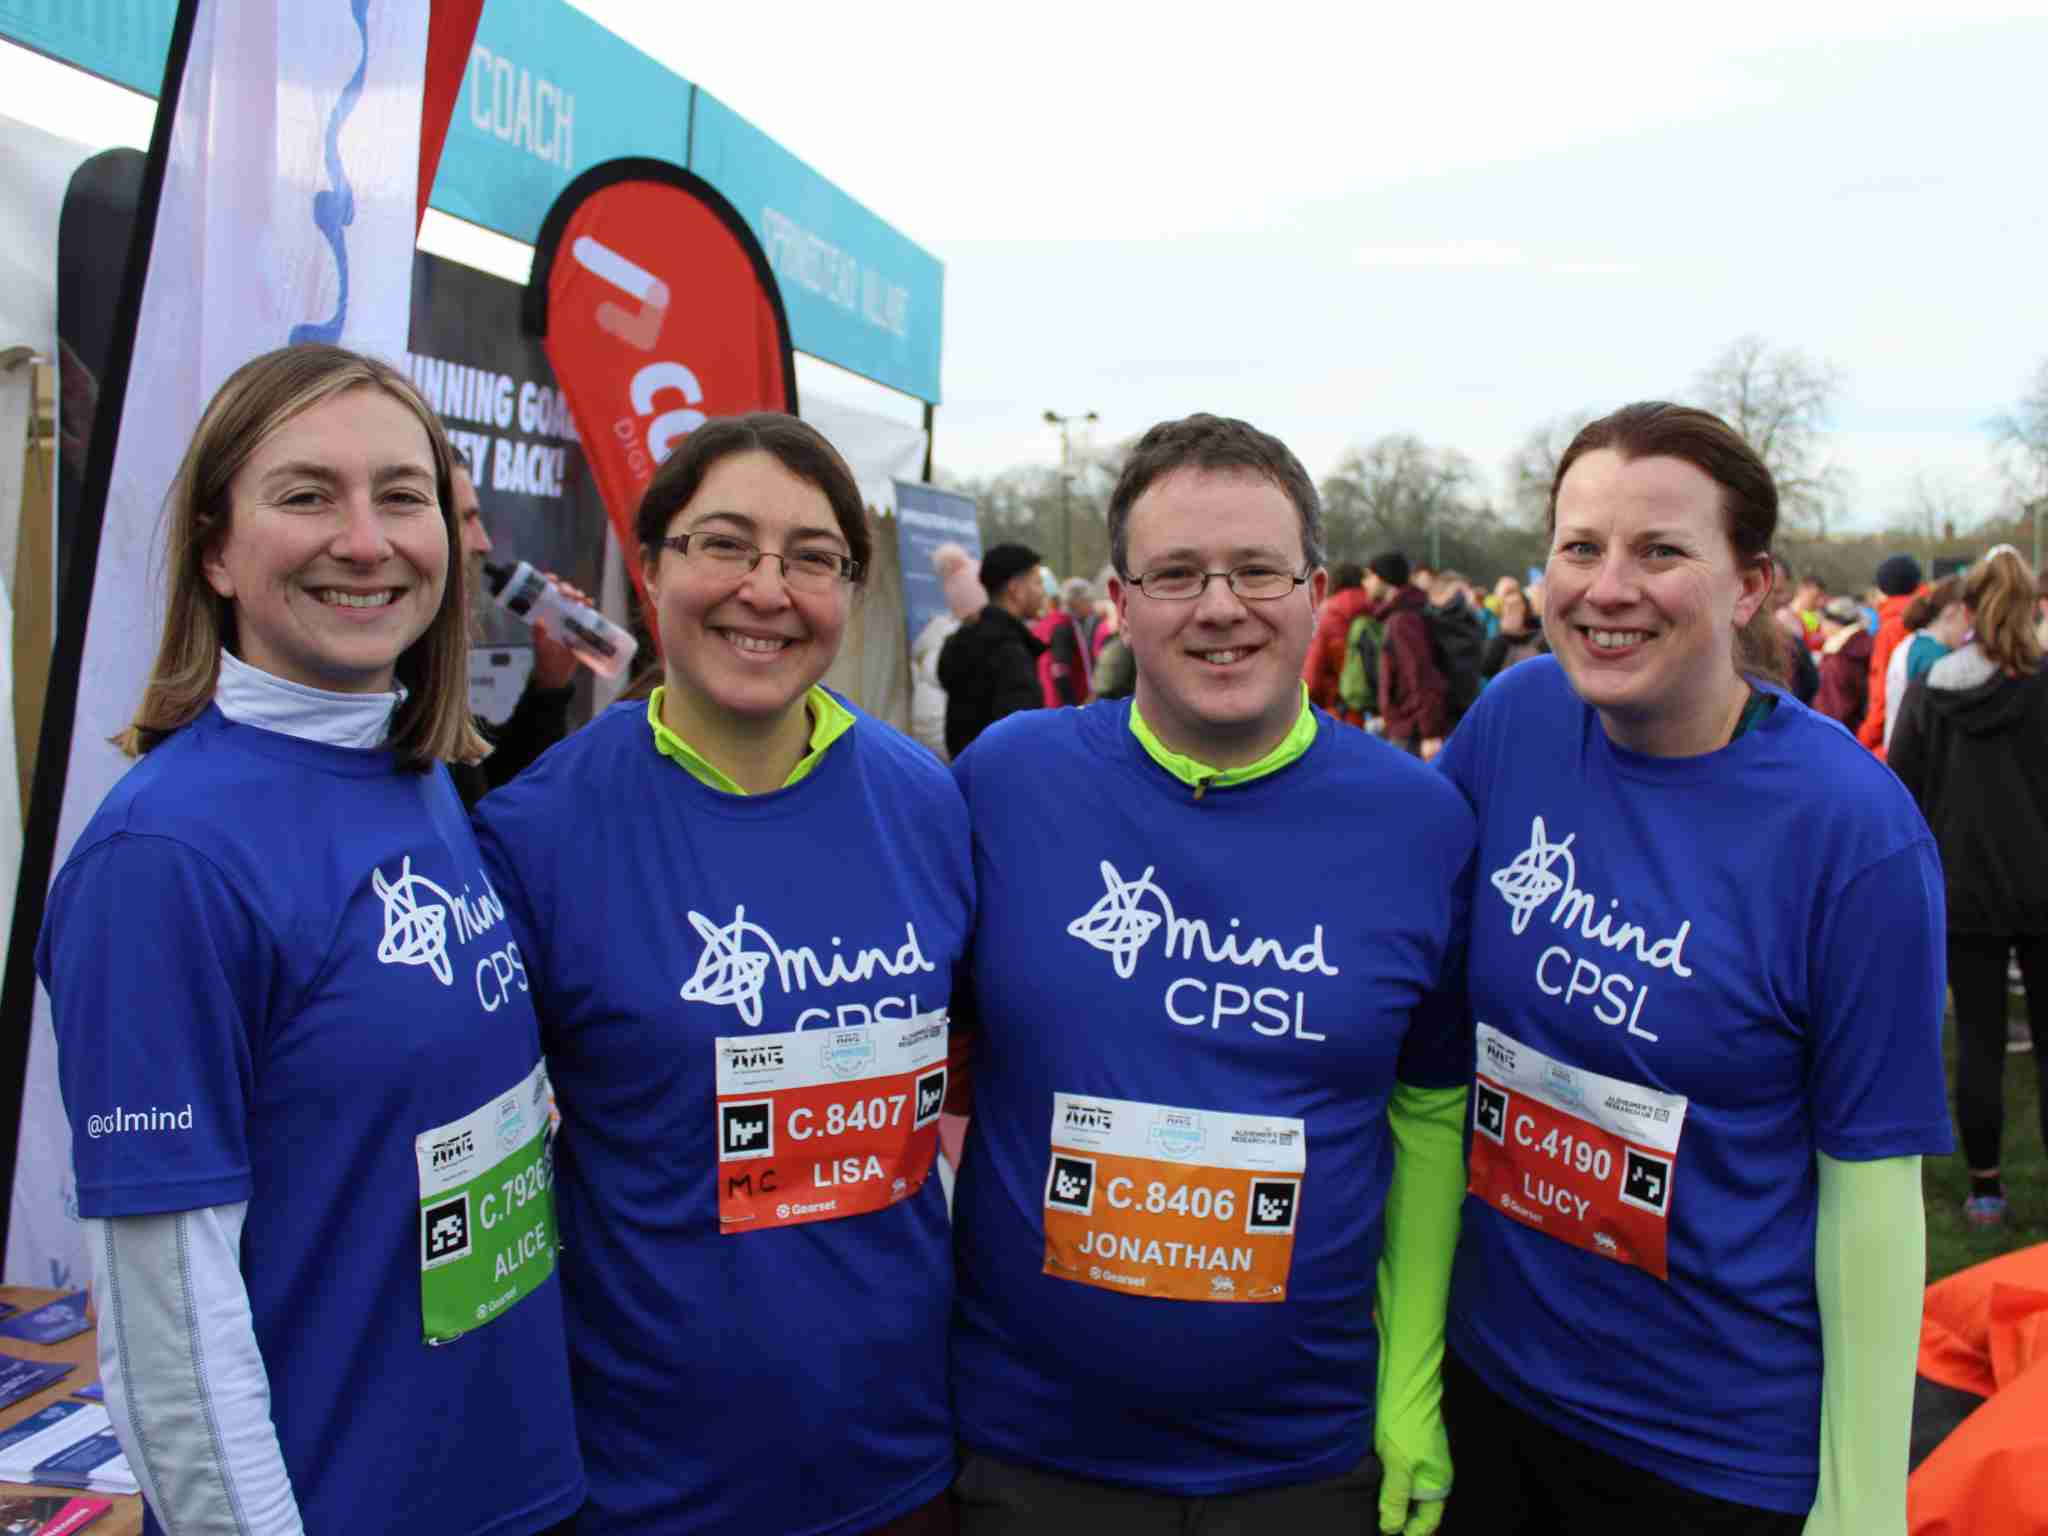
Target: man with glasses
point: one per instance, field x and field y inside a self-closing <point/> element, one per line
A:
<point x="1219" y="1096"/>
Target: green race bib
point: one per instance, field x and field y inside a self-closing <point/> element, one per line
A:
<point x="487" y="1210"/>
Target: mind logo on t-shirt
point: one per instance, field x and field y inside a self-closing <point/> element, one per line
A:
<point x="730" y="974"/>
<point x="416" y="930"/>
<point x="1546" y="869"/>
<point x="1127" y="915"/>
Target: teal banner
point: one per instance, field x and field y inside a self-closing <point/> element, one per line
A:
<point x="858" y="293"/>
<point x="550" y="93"/>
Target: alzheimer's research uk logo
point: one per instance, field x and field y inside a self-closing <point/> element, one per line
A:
<point x="416" y="932"/>
<point x="731" y="974"/>
<point x="1121" y="924"/>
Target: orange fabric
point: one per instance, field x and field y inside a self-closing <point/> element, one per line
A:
<point x="1985" y="1330"/>
<point x="1987" y="1478"/>
<point x="1965" y="1315"/>
<point x="1891" y="630"/>
<point x="1325" y="664"/>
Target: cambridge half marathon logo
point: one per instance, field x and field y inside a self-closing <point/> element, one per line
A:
<point x="1121" y="924"/>
<point x="732" y="974"/>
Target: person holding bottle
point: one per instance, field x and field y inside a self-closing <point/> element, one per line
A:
<point x="742" y="904"/>
<point x="296" y="1056"/>
<point x="1706" y="974"/>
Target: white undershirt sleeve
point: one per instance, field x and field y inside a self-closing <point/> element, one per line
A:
<point x="185" y="1382"/>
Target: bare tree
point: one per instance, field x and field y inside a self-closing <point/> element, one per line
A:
<point x="1399" y="490"/>
<point x="1532" y="467"/>
<point x="1936" y="505"/>
<point x="1780" y="400"/>
<point x="2021" y="435"/>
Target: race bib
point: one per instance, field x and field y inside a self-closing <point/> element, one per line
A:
<point x="1586" y="1159"/>
<point x="487" y="1210"/>
<point x="818" y="1124"/>
<point x="1183" y="1204"/>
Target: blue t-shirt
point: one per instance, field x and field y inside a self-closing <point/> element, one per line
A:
<point x="1162" y="963"/>
<point x="272" y="963"/>
<point x="789" y="1380"/>
<point x="1758" y="931"/>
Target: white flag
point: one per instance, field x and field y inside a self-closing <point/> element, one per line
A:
<point x="288" y="212"/>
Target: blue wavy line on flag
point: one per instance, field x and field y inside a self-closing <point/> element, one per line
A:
<point x="334" y="207"/>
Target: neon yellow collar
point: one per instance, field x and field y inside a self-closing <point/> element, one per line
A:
<point x="1200" y="776"/>
<point x="830" y="720"/>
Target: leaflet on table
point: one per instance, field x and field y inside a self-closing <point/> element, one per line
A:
<point x="25" y="1378"/>
<point x="61" y="1319"/>
<point x="92" y="1391"/>
<point x="70" y="1444"/>
<point x="44" y="1514"/>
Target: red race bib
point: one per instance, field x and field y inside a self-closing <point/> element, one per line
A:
<point x="1585" y="1159"/>
<point x="818" y="1124"/>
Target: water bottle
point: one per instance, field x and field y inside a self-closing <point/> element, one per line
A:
<point x="526" y="594"/>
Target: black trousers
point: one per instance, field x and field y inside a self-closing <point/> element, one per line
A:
<point x="1976" y="975"/>
<point x="1513" y="1475"/>
<point x="1007" y="1498"/>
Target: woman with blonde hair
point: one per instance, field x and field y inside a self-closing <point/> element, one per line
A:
<point x="308" y="1110"/>
<point x="1972" y="746"/>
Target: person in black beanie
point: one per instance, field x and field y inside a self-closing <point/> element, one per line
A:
<point x="989" y="666"/>
<point x="1898" y="578"/>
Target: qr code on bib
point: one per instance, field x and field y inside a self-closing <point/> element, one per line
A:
<point x="444" y="1231"/>
<point x="1646" y="1181"/>
<point x="931" y="1098"/>
<point x="1490" y="1112"/>
<point x="1070" y="1186"/>
<point x="1271" y="1207"/>
<point x="746" y="1130"/>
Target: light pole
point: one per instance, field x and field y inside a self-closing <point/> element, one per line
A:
<point x="1055" y="419"/>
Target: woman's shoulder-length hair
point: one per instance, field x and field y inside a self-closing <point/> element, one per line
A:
<point x="434" y="723"/>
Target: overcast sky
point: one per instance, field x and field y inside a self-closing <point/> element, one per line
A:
<point x="1453" y="221"/>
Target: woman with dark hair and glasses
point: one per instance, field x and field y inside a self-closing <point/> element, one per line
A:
<point x="1706" y="971"/>
<point x="741" y="904"/>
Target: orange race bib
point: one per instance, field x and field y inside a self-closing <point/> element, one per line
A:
<point x="818" y="1124"/>
<point x="1586" y="1159"/>
<point x="1183" y="1204"/>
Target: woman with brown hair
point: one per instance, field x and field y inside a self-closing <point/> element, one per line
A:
<point x="742" y="903"/>
<point x="1972" y="746"/>
<point x="1688" y="1283"/>
<point x="308" y="1109"/>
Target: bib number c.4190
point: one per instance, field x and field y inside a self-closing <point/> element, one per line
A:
<point x="1180" y="1204"/>
<point x="1585" y="1159"/>
<point x="815" y="1125"/>
<point x="487" y="1210"/>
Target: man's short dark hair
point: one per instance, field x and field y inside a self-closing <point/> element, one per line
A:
<point x="1391" y="567"/>
<point x="1346" y="576"/>
<point x="1203" y="441"/>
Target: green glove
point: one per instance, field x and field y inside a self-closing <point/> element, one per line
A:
<point x="1424" y="1200"/>
<point x="1397" y="1512"/>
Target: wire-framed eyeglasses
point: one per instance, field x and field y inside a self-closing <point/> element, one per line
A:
<point x="807" y="570"/>
<point x="1184" y="583"/>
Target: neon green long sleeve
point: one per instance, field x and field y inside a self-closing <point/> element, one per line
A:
<point x="1424" y="1199"/>
<point x="1870" y="1268"/>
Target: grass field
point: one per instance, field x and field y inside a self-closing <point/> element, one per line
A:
<point x="1951" y="1244"/>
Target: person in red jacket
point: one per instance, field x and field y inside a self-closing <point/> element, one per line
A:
<point x="1898" y="578"/>
<point x="1845" y="692"/>
<point x="1325" y="665"/>
<point x="1412" y="695"/>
